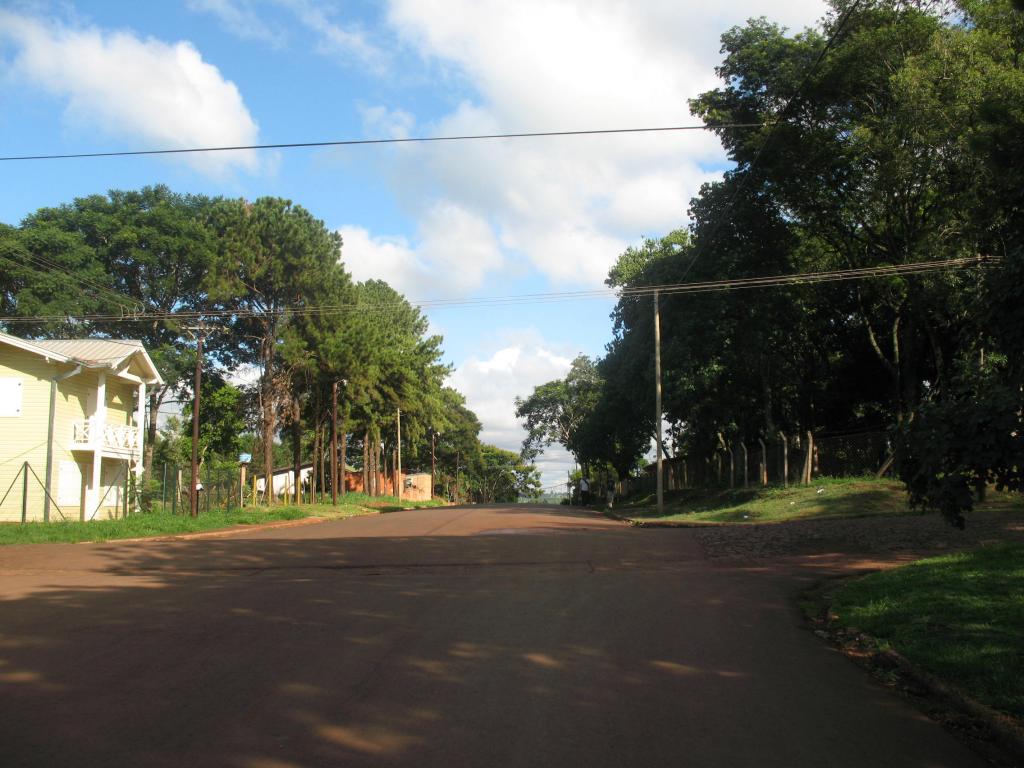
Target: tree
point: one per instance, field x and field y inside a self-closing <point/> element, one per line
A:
<point x="871" y="161"/>
<point x="125" y="252"/>
<point x="274" y="260"/>
<point x="556" y="411"/>
<point x="501" y="476"/>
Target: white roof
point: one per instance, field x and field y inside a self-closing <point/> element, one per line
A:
<point x="92" y="353"/>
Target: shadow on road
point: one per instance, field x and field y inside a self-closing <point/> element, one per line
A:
<point x="608" y="647"/>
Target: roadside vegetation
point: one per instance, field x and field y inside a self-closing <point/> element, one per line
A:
<point x="891" y="152"/>
<point x="826" y="498"/>
<point x="164" y="523"/>
<point x="958" y="616"/>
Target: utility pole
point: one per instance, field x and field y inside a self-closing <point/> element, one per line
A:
<point x="657" y="398"/>
<point x="398" y="455"/>
<point x="193" y="490"/>
<point x="433" y="461"/>
<point x="334" y="443"/>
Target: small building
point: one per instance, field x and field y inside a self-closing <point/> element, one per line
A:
<point x="72" y="423"/>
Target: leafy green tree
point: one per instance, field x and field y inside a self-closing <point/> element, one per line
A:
<point x="501" y="476"/>
<point x="556" y="411"/>
<point x="871" y="160"/>
<point x="125" y="252"/>
<point x="222" y="423"/>
<point x="274" y="260"/>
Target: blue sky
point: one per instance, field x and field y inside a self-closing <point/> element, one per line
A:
<point x="437" y="221"/>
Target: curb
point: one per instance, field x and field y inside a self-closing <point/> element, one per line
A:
<point x="217" y="532"/>
<point x="660" y="523"/>
<point x="1005" y="731"/>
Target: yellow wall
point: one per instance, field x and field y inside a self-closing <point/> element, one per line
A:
<point x="23" y="438"/>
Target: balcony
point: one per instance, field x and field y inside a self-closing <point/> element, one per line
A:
<point x="123" y="440"/>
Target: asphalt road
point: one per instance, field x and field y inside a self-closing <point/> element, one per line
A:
<point x="448" y="637"/>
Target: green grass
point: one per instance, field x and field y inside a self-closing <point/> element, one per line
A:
<point x="960" y="617"/>
<point x="827" y="497"/>
<point x="166" y="524"/>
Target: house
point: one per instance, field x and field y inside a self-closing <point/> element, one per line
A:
<point x="72" y="414"/>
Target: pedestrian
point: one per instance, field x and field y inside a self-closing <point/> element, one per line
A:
<point x="584" y="491"/>
<point x="611" y="493"/>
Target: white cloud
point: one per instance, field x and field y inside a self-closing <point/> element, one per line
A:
<point x="491" y="381"/>
<point x="569" y="206"/>
<point x="239" y="17"/>
<point x="149" y="92"/>
<point x="453" y="251"/>
<point x="348" y="41"/>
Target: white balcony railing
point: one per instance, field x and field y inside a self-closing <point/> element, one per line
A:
<point x="117" y="438"/>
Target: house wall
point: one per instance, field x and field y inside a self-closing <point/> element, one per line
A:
<point x="23" y="437"/>
<point x="419" y="490"/>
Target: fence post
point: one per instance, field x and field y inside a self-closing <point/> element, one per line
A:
<point x="785" y="459"/>
<point x="808" y="458"/>
<point x="24" y="492"/>
<point x="764" y="462"/>
<point x="174" y="497"/>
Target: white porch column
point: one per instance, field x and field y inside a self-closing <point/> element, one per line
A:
<point x="97" y="430"/>
<point x="140" y="418"/>
<point x="99" y="414"/>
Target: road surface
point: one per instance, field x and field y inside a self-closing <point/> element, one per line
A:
<point x="460" y="636"/>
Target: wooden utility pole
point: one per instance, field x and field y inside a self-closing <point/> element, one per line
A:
<point x="398" y="454"/>
<point x="193" y="490"/>
<point x="657" y="399"/>
<point x="433" y="461"/>
<point x="334" y="443"/>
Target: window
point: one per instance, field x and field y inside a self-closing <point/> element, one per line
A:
<point x="10" y="397"/>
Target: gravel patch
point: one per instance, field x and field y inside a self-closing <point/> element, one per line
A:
<point x="883" y="535"/>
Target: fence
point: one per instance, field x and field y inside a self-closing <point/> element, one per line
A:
<point x="784" y="460"/>
<point x="219" y="488"/>
<point x="26" y="499"/>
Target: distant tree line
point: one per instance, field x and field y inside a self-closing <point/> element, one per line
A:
<point x="266" y="282"/>
<point x="901" y="142"/>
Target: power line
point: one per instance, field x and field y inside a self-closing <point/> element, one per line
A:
<point x="45" y="264"/>
<point x="361" y="142"/>
<point x="743" y="283"/>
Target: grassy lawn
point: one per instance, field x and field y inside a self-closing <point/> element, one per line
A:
<point x="960" y="617"/>
<point x="827" y="497"/>
<point x="164" y="523"/>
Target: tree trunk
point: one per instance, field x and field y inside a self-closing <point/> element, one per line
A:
<point x="342" y="438"/>
<point x="785" y="459"/>
<point x="267" y="408"/>
<point x="766" y="395"/>
<point x="315" y="469"/>
<point x="297" y="451"/>
<point x="366" y="462"/>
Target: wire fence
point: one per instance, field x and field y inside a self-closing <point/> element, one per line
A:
<point x="220" y="487"/>
<point x="784" y="460"/>
<point x="26" y="498"/>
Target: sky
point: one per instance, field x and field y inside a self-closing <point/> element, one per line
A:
<point x="437" y="221"/>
